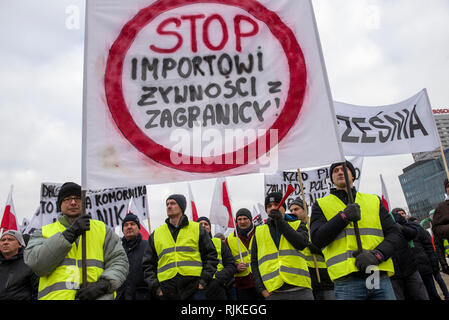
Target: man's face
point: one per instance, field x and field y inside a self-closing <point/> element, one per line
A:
<point x="173" y="209"/>
<point x="71" y="206"/>
<point x="243" y="222"/>
<point x="298" y="211"/>
<point x="338" y="177"/>
<point x="9" y="246"/>
<point x="402" y="213"/>
<point x="205" y="225"/>
<point x="130" y="230"/>
<point x="273" y="205"/>
<point x="447" y="189"/>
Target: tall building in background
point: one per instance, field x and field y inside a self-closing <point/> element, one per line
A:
<point x="442" y="122"/>
<point x="422" y="182"/>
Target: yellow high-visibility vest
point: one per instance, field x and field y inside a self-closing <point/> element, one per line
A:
<point x="321" y="263"/>
<point x="64" y="281"/>
<point x="246" y="253"/>
<point x="446" y="247"/>
<point x="182" y="256"/>
<point x="339" y="253"/>
<point x="286" y="265"/>
<point x="217" y="244"/>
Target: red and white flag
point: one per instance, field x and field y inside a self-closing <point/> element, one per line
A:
<point x="9" y="221"/>
<point x="220" y="210"/>
<point x="385" y="200"/>
<point x="132" y="208"/>
<point x="194" y="216"/>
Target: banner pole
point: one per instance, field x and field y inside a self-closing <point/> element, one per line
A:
<point x="350" y="201"/>
<point x="306" y="210"/>
<point x="83" y="243"/>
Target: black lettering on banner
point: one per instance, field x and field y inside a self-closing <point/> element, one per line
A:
<point x="390" y="127"/>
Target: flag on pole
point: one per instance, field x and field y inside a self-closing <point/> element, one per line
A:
<point x="192" y="204"/>
<point x="132" y="208"/>
<point x="9" y="221"/>
<point x="385" y="200"/>
<point x="220" y="210"/>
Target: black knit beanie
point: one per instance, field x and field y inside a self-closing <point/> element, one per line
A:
<point x="298" y="202"/>
<point x="243" y="212"/>
<point x="204" y="219"/>
<point x="131" y="217"/>
<point x="274" y="197"/>
<point x="67" y="189"/>
<point x="348" y="164"/>
<point x="180" y="200"/>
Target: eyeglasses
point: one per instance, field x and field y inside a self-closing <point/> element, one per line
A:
<point x="70" y="199"/>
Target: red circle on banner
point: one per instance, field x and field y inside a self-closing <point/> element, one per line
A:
<point x="157" y="152"/>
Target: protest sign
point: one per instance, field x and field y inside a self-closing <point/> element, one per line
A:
<point x="316" y="182"/>
<point x="195" y="89"/>
<point x="107" y="205"/>
<point x="405" y="127"/>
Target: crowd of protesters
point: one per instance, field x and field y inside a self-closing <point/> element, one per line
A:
<point x="350" y="247"/>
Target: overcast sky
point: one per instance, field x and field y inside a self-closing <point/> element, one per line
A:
<point x="377" y="52"/>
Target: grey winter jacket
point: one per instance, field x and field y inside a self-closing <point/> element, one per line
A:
<point x="43" y="256"/>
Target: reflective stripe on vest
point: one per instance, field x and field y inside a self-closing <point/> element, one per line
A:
<point x="320" y="262"/>
<point x="338" y="254"/>
<point x="182" y="257"/>
<point x="63" y="282"/>
<point x="217" y="244"/>
<point x="246" y="254"/>
<point x="286" y="265"/>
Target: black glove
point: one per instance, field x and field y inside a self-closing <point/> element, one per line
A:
<point x="93" y="290"/>
<point x="351" y="212"/>
<point x="445" y="269"/>
<point x="275" y="215"/>
<point x="78" y="227"/>
<point x="314" y="249"/>
<point x="367" y="258"/>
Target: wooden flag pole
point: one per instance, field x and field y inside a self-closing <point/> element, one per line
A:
<point x="306" y="210"/>
<point x="444" y="161"/>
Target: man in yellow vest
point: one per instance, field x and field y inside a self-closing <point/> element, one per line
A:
<point x="180" y="259"/>
<point x="54" y="253"/>
<point x="240" y="246"/>
<point x="278" y="264"/>
<point x="323" y="288"/>
<point x="218" y="289"/>
<point x="356" y="275"/>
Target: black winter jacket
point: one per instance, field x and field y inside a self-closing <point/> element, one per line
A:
<point x="180" y="287"/>
<point x="134" y="287"/>
<point x="404" y="258"/>
<point x="425" y="255"/>
<point x="324" y="232"/>
<point x="17" y="280"/>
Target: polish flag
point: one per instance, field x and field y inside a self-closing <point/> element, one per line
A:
<point x="220" y="210"/>
<point x="9" y="221"/>
<point x="192" y="203"/>
<point x="385" y="199"/>
<point x="133" y="209"/>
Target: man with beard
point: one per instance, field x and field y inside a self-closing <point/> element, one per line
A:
<point x="244" y="283"/>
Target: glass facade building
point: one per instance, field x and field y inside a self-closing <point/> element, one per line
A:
<point x="422" y="185"/>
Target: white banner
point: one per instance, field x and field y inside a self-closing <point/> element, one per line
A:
<point x="405" y="127"/>
<point x="197" y="89"/>
<point x="316" y="182"/>
<point x="107" y="205"/>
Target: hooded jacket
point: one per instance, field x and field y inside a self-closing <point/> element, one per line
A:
<point x="43" y="256"/>
<point x="17" y="280"/>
